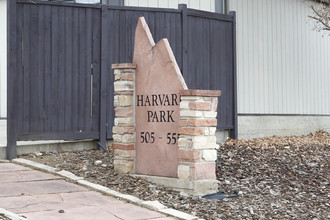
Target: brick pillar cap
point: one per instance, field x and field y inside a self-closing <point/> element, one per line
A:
<point x="124" y="66"/>
<point x="197" y="92"/>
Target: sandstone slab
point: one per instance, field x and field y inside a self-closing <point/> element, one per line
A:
<point x="158" y="81"/>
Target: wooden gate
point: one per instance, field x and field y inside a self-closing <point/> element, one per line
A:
<point x="60" y="82"/>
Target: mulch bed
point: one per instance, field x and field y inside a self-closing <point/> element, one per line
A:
<point x="275" y="178"/>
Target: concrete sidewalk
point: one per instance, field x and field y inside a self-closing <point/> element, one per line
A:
<point x="38" y="195"/>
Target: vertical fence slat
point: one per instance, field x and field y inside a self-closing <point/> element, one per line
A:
<point x="75" y="60"/>
<point x="41" y="67"/>
<point x="96" y="70"/>
<point x="68" y="69"/>
<point x="82" y="70"/>
<point x="221" y="69"/>
<point x="34" y="81"/>
<point x="128" y="41"/>
<point x="26" y="68"/>
<point x="207" y="58"/>
<point x="185" y="41"/>
<point x="12" y="69"/>
<point x="234" y="131"/>
<point x="151" y="23"/>
<point x="88" y="33"/>
<point x="113" y="57"/>
<point x="191" y="48"/>
<point x="159" y="26"/>
<point x="61" y="70"/>
<point x="47" y="71"/>
<point x="226" y="78"/>
<point x="200" y="53"/>
<point x="176" y="27"/>
<point x="122" y="39"/>
<point x="103" y="79"/>
<point x="55" y="69"/>
<point x="216" y="64"/>
<point x="17" y="112"/>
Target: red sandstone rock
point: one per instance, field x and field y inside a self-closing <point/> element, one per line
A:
<point x="127" y="76"/>
<point x="123" y="146"/>
<point x="126" y="130"/>
<point x="212" y="122"/>
<point x="200" y="106"/>
<point x="197" y="92"/>
<point x="201" y="171"/>
<point x="124" y="112"/>
<point x="123" y="66"/>
<point x="157" y="110"/>
<point x="191" y="131"/>
<point x="189" y="155"/>
<point x="183" y="123"/>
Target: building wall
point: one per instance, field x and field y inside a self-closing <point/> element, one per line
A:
<point x="3" y="58"/>
<point x="206" y="5"/>
<point x="254" y="126"/>
<point x="283" y="65"/>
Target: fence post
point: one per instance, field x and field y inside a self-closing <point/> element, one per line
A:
<point x="11" y="85"/>
<point x="103" y="77"/>
<point x="184" y="22"/>
<point x="234" y="132"/>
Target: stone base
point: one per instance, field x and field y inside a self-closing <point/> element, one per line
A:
<point x="123" y="166"/>
<point x="195" y="187"/>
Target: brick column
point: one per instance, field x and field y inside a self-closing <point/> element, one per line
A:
<point x="124" y="125"/>
<point x="197" y="142"/>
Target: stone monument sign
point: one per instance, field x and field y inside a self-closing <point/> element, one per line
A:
<point x="163" y="130"/>
<point x="158" y="81"/>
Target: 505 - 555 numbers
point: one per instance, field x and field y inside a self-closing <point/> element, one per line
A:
<point x="172" y="138"/>
<point x="149" y="137"/>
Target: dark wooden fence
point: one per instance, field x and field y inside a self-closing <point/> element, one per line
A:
<point x="60" y="81"/>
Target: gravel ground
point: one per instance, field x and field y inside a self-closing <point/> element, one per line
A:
<point x="275" y="178"/>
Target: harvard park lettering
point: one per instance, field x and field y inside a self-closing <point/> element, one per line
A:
<point x="158" y="100"/>
<point x="159" y="116"/>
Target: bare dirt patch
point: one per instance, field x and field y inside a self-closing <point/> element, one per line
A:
<point x="275" y="178"/>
